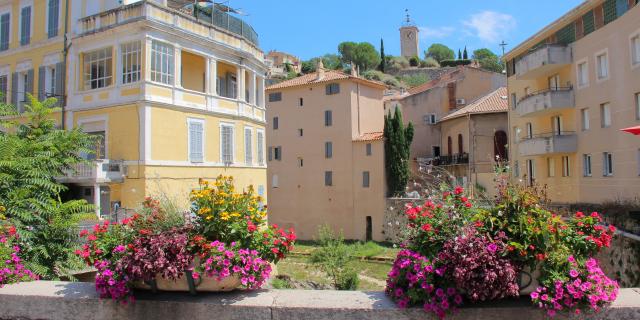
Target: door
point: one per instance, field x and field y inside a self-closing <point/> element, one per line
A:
<point x="554" y="82"/>
<point x="369" y="234"/>
<point x="105" y="201"/>
<point x="436" y="151"/>
<point x="531" y="172"/>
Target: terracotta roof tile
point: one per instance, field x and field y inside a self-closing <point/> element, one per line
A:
<point x="495" y="101"/>
<point x="370" y="136"/>
<point x="329" y="75"/>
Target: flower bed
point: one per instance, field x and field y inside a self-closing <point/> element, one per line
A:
<point x="11" y="268"/>
<point x="225" y="243"/>
<point x="456" y="252"/>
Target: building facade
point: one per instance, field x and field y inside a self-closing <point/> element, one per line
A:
<point x="172" y="97"/>
<point x="474" y="140"/>
<point x="280" y="63"/>
<point x="572" y="87"/>
<point x="409" y="39"/>
<point x="426" y="104"/>
<point x="326" y="154"/>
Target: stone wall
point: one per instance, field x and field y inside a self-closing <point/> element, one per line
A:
<point x="395" y="221"/>
<point x="44" y="300"/>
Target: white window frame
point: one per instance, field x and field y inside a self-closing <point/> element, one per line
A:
<point x="248" y="146"/>
<point x="587" y="169"/>
<point x="167" y="70"/>
<point x="233" y="151"/>
<point x="605" y="115"/>
<point x="86" y="74"/>
<point x="584" y="62"/>
<point x="260" y="146"/>
<point x="46" y="23"/>
<point x="607" y="164"/>
<point x="566" y="166"/>
<point x="605" y="53"/>
<point x="4" y="10"/>
<point x="584" y="119"/>
<point x="634" y="49"/>
<point x="202" y="122"/>
<point x="24" y="4"/>
<point x="124" y="50"/>
<point x="50" y="81"/>
<point x="274" y="181"/>
<point x="551" y="167"/>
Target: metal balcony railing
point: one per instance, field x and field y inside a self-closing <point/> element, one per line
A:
<point x="96" y="171"/>
<point x="458" y="158"/>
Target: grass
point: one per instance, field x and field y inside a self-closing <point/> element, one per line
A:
<point x="373" y="274"/>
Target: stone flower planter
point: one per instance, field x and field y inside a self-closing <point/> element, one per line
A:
<point x="186" y="283"/>
<point x="529" y="280"/>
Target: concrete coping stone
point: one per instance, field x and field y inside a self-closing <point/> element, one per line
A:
<point x="53" y="300"/>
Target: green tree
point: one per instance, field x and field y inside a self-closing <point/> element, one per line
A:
<point x="32" y="155"/>
<point x="439" y="52"/>
<point x="414" y="61"/>
<point x="459" y="55"/>
<point x="397" y="152"/>
<point x="383" y="59"/>
<point x="488" y="60"/>
<point x="330" y="61"/>
<point x="465" y="55"/>
<point x="333" y="258"/>
<point x="363" y="55"/>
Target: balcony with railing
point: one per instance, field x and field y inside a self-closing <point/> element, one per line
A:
<point x="455" y="159"/>
<point x="214" y="24"/>
<point x="543" y="61"/>
<point x="548" y="143"/>
<point x="96" y="171"/>
<point x="542" y="101"/>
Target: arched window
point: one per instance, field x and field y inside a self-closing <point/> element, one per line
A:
<point x="500" y="145"/>
<point x="460" y="147"/>
<point x="449" y="146"/>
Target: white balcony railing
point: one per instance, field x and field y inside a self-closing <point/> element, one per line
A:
<point x="546" y="100"/>
<point x="97" y="171"/>
<point x="543" y="61"/>
<point x="549" y="143"/>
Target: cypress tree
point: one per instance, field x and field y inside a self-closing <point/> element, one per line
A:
<point x="459" y="55"/>
<point x="464" y="53"/>
<point x="382" y="57"/>
<point x="397" y="152"/>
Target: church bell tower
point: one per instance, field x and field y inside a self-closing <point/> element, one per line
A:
<point x="409" y="42"/>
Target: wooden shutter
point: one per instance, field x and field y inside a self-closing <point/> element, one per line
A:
<point x="195" y="141"/>
<point x="248" y="147"/>
<point x="270" y="153"/>
<point x="260" y="146"/>
<point x="599" y="16"/>
<point x="4" y="31"/>
<point x="25" y="35"/>
<point x="226" y="136"/>
<point x="14" y="89"/>
<point x="60" y="77"/>
<point x="451" y="91"/>
<point x="42" y="74"/>
<point x="54" y="10"/>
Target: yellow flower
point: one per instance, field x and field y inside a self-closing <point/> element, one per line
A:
<point x="224" y="215"/>
<point x="235" y="214"/>
<point x="204" y="210"/>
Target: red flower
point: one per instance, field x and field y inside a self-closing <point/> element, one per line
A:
<point x="458" y="190"/>
<point x="144" y="232"/>
<point x="532" y="247"/>
<point x="540" y="256"/>
<point x="468" y="204"/>
<point x="612" y="229"/>
<point x="126" y="221"/>
<point x="427" y="227"/>
<point x="291" y="236"/>
<point x="478" y="224"/>
<point x="12" y="231"/>
<point x="84" y="233"/>
<point x="579" y="214"/>
<point x="92" y="237"/>
<point x="251" y="227"/>
<point x="275" y="250"/>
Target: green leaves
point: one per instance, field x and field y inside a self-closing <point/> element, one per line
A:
<point x="33" y="153"/>
<point x="397" y="148"/>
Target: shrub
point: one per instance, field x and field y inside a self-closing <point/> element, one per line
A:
<point x="454" y="63"/>
<point x="374" y="75"/>
<point x="395" y="64"/>
<point x="429" y="63"/>
<point x="12" y="269"/>
<point x="415" y="80"/>
<point x="414" y="61"/>
<point x="333" y="258"/>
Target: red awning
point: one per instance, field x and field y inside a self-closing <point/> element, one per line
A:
<point x="633" y="130"/>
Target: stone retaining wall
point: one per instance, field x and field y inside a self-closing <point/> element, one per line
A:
<point x="44" y="300"/>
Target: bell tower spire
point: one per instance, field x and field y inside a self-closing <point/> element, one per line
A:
<point x="409" y="37"/>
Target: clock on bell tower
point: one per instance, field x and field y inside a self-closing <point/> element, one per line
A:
<point x="409" y="40"/>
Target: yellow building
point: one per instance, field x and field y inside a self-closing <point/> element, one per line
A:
<point x="572" y="87"/>
<point x="173" y="97"/>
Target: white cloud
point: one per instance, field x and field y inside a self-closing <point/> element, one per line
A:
<point x="436" y="33"/>
<point x="490" y="26"/>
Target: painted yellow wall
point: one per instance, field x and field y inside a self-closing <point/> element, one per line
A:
<point x="193" y="70"/>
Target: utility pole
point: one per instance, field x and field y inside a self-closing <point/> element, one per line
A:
<point x="503" y="45"/>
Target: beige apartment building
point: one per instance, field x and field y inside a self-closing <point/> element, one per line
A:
<point x="277" y="62"/>
<point x="426" y="104"/>
<point x="474" y="139"/>
<point x="572" y="87"/>
<point x="326" y="154"/>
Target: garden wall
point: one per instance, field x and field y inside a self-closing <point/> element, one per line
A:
<point x="67" y="301"/>
<point x="394" y="220"/>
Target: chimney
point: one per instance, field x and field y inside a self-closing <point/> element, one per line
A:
<point x="320" y="70"/>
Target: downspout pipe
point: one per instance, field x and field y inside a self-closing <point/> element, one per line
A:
<point x="65" y="55"/>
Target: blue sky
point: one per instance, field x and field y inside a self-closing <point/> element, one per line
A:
<point x="312" y="28"/>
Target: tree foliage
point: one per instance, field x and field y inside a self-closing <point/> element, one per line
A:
<point x="330" y="61"/>
<point x="383" y="59"/>
<point x="32" y="155"/>
<point x="363" y="54"/>
<point x="395" y="63"/>
<point x="488" y="60"/>
<point x="397" y="152"/>
<point x="439" y="52"/>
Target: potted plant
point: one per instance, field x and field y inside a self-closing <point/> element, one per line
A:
<point x="224" y="244"/>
